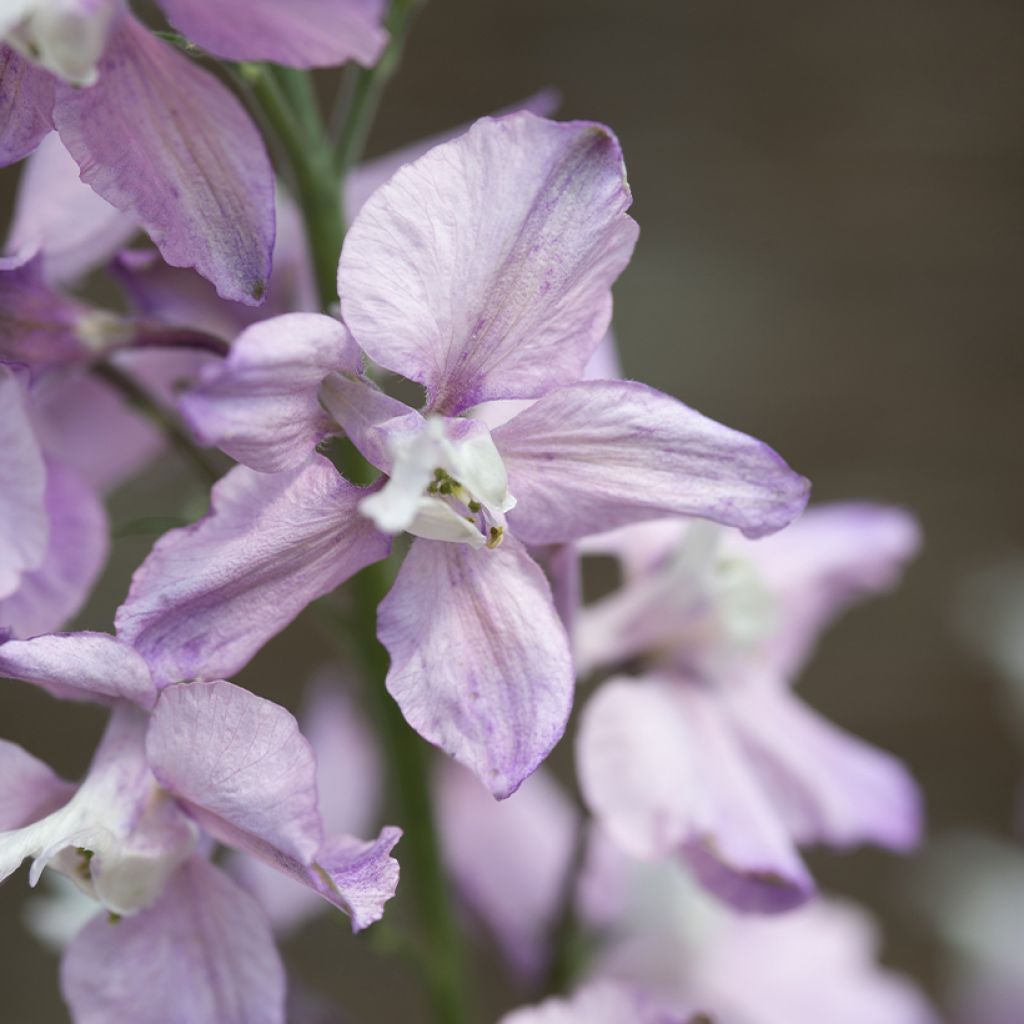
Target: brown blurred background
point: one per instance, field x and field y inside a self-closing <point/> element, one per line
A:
<point x="830" y="258"/>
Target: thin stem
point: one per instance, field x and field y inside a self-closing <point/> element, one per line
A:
<point x="317" y="187"/>
<point x="140" y="400"/>
<point x="369" y="87"/>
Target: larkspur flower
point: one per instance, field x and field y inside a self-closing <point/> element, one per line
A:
<point x="481" y="271"/>
<point x="207" y="756"/>
<point x="154" y="134"/>
<point x="708" y="756"/>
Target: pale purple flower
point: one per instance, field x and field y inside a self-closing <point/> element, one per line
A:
<point x="207" y="756"/>
<point x="481" y="271"/>
<point x="600" y="1002"/>
<point x="708" y="756"/>
<point x="686" y="952"/>
<point x="154" y="134"/>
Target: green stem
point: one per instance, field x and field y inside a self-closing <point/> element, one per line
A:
<point x="317" y="187"/>
<point x="141" y="400"/>
<point x="369" y="87"/>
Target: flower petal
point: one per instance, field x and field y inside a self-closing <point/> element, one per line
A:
<point x="599" y="454"/>
<point x="480" y="662"/>
<point x="164" y="141"/>
<point x="24" y="537"/>
<point x="484" y="269"/>
<point x="118" y="838"/>
<point x="80" y="666"/>
<point x="29" y="789"/>
<point x="833" y="556"/>
<point x="300" y="33"/>
<point x="511" y="860"/>
<point x="26" y="104"/>
<point x="261" y="404"/>
<point x="210" y="595"/>
<point x="245" y="772"/>
<point x="598" y="1002"/>
<point x="828" y="786"/>
<point x="204" y="949"/>
<point x="59" y="215"/>
<point x="77" y="551"/>
<point x="662" y="773"/>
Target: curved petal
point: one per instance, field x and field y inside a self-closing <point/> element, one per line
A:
<point x="118" y="838"/>
<point x="511" y="861"/>
<point x="56" y="213"/>
<point x="204" y="948"/>
<point x="484" y="269"/>
<point x="828" y="786"/>
<point x="480" y="662"/>
<point x="24" y="537"/>
<point x="29" y="789"/>
<point x="261" y="404"/>
<point x="599" y="1002"/>
<point x="210" y="595"/>
<point x="831" y="557"/>
<point x="26" y="105"/>
<point x="77" y="551"/>
<point x="300" y="33"/>
<point x="599" y="454"/>
<point x="165" y="142"/>
<point x="80" y="666"/>
<point x="245" y="772"/>
<point x="660" y="770"/>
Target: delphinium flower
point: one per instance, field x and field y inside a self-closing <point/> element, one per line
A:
<point x="174" y="763"/>
<point x="154" y="134"/>
<point x="482" y="271"/>
<point x="706" y="755"/>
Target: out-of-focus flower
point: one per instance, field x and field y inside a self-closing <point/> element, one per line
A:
<point x="707" y="755"/>
<point x="155" y="135"/>
<point x="686" y="952"/>
<point x="514" y="313"/>
<point x="601" y="1002"/>
<point x="205" y="755"/>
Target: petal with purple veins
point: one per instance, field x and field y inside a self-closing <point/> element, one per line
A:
<point x="26" y="105"/>
<point x="29" y="789"/>
<point x="204" y="948"/>
<point x="599" y="454"/>
<point x="164" y="141"/>
<point x="261" y="404"/>
<point x="210" y="595"/>
<point x="480" y="662"/>
<point x="484" y="269"/>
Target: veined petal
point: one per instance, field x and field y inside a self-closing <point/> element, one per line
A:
<point x="76" y="553"/>
<point x="261" y="404"/>
<point x="828" y="786"/>
<point x="599" y="1002"/>
<point x="24" y="537"/>
<point x="830" y="558"/>
<point x="598" y="454"/>
<point x="29" y="789"/>
<point x="80" y="666"/>
<point x="511" y="860"/>
<point x="210" y="595"/>
<point x="26" y="105"/>
<point x="204" y="949"/>
<point x="299" y="33"/>
<point x="164" y="141"/>
<point x="119" y="837"/>
<point x="480" y="662"/>
<point x="245" y="772"/>
<point x="57" y="214"/>
<point x="483" y="270"/>
<point x="662" y="773"/>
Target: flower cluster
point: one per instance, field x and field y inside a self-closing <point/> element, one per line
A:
<point x="476" y="273"/>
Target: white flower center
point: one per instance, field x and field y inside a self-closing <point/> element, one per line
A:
<point x="66" y="37"/>
<point x="444" y="487"/>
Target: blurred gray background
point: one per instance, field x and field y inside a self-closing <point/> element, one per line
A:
<point x="830" y="258"/>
